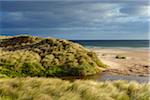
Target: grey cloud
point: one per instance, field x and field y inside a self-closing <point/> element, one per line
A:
<point x="135" y="10"/>
<point x="78" y="15"/>
<point x="48" y="5"/>
<point x="101" y="16"/>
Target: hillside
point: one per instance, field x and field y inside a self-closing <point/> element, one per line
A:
<point x="34" y="56"/>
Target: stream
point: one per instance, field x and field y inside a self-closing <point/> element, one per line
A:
<point x="109" y="77"/>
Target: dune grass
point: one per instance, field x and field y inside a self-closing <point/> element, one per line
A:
<point x="34" y="56"/>
<point x="24" y="56"/>
<point x="57" y="89"/>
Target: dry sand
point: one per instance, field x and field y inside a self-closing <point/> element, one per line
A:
<point x="136" y="61"/>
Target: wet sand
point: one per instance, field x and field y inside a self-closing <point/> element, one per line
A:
<point x="136" y="61"/>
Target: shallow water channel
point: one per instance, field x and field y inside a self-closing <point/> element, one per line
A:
<point x="109" y="77"/>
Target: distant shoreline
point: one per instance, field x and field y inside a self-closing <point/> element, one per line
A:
<point x="123" y="44"/>
<point x="121" y="48"/>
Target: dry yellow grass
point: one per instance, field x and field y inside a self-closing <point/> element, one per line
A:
<point x="57" y="89"/>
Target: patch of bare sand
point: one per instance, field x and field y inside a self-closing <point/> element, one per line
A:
<point x="136" y="62"/>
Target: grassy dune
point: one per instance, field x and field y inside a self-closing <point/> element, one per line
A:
<point x="24" y="56"/>
<point x="34" y="56"/>
<point x="57" y="89"/>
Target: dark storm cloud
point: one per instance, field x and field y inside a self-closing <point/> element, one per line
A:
<point x="48" y="5"/>
<point x="110" y="16"/>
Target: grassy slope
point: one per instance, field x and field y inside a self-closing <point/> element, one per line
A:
<point x="56" y="89"/>
<point x="34" y="56"/>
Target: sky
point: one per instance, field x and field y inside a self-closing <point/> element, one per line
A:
<point x="76" y="19"/>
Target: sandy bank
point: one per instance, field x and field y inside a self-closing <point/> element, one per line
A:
<point x="136" y="61"/>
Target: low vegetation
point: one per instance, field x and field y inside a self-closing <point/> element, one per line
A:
<point x="23" y="56"/>
<point x="120" y="57"/>
<point x="57" y="89"/>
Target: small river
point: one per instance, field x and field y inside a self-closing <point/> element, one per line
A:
<point x="109" y="77"/>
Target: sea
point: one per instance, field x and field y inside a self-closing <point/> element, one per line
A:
<point x="143" y="44"/>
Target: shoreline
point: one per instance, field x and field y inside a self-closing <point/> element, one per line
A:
<point x="118" y="48"/>
<point x="136" y="61"/>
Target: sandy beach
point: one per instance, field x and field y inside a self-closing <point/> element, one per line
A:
<point x="135" y="61"/>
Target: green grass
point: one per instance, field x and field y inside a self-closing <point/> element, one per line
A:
<point x="23" y="56"/>
<point x="57" y="89"/>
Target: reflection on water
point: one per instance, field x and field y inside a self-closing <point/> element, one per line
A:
<point x="109" y="77"/>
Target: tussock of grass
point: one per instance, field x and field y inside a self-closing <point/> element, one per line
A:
<point x="120" y="57"/>
<point x="34" y="56"/>
<point x="57" y="89"/>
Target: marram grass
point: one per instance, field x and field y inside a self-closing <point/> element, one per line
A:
<point x="23" y="56"/>
<point x="57" y="89"/>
